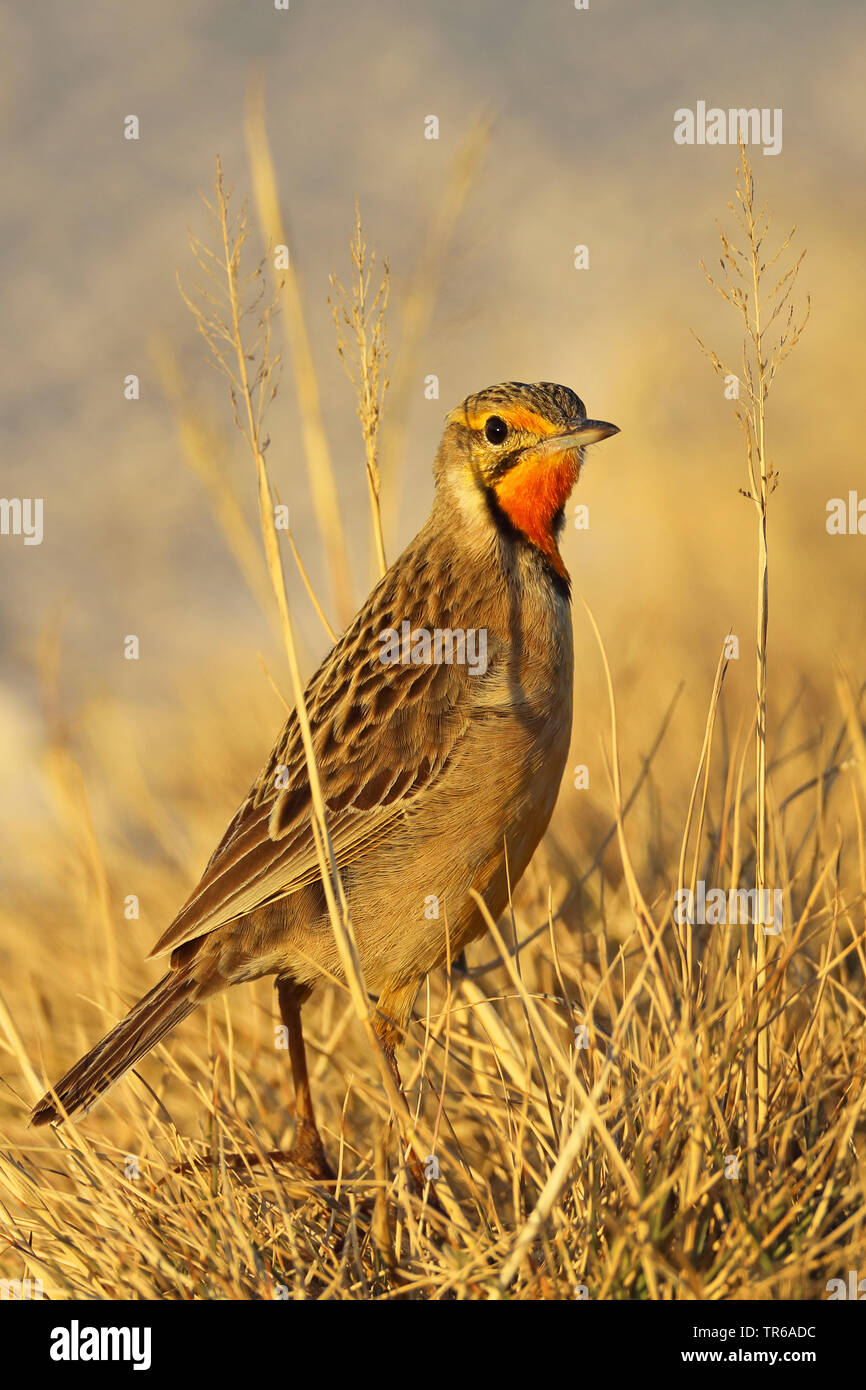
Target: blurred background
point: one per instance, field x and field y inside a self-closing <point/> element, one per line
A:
<point x="579" y="150"/>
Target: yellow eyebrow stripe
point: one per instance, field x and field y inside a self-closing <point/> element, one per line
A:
<point x="518" y="417"/>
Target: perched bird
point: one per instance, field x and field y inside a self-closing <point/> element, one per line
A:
<point x="440" y="758"/>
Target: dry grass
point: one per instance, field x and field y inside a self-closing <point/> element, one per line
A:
<point x="360" y="323"/>
<point x="771" y="331"/>
<point x="589" y="1086"/>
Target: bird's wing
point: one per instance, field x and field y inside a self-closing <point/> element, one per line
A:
<point x="381" y="732"/>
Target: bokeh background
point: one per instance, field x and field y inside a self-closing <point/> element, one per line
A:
<point x="580" y="106"/>
<point x="117" y="777"/>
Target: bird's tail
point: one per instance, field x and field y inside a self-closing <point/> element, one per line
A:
<point x="162" y="1009"/>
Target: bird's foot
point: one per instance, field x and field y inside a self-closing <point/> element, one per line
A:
<point x="422" y="1184"/>
<point x="307" y="1153"/>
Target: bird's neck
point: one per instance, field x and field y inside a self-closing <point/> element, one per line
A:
<point x="532" y="496"/>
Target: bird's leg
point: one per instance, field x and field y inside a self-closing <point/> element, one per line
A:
<point x="307" y="1152"/>
<point x="390" y="1032"/>
<point x="413" y="1162"/>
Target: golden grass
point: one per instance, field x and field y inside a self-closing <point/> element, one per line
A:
<point x="360" y="323"/>
<point x="771" y="331"/>
<point x="588" y="1086"/>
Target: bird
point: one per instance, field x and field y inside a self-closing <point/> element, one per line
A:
<point x="440" y="722"/>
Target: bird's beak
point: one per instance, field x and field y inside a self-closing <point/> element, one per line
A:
<point x="576" y="436"/>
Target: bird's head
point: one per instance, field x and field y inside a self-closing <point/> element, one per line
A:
<point x="518" y="449"/>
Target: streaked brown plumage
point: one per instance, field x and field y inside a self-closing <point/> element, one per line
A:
<point x="429" y="771"/>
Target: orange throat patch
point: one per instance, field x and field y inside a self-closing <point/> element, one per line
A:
<point x="532" y="494"/>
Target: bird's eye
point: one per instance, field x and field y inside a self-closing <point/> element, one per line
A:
<point x="495" y="429"/>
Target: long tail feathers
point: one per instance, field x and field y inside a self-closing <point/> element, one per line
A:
<point x="162" y="1009"/>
